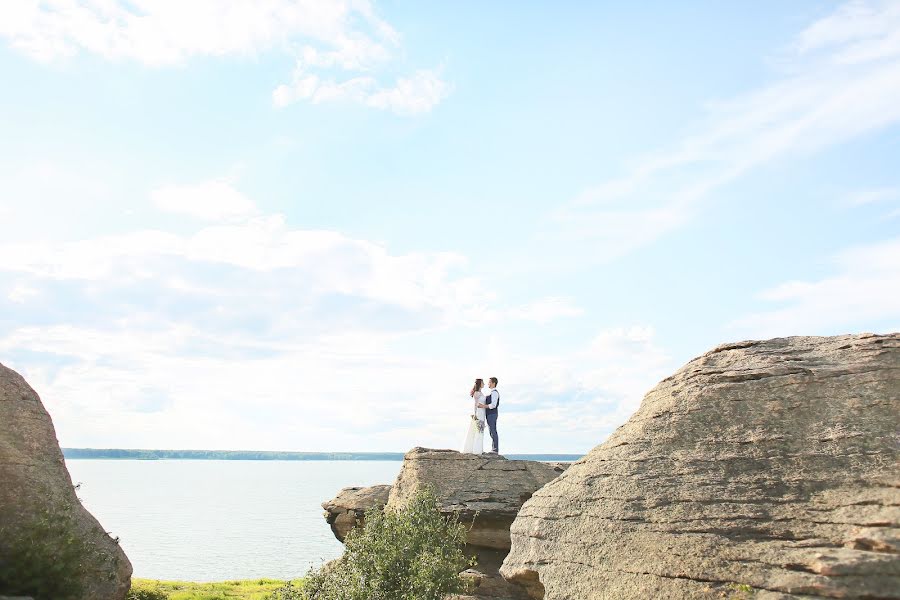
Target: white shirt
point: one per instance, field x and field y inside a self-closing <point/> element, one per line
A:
<point x="493" y="398"/>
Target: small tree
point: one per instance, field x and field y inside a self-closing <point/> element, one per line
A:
<point x="412" y="554"/>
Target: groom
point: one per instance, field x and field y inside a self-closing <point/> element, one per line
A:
<point x="490" y="413"/>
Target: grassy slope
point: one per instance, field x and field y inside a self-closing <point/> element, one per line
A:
<point x="254" y="589"/>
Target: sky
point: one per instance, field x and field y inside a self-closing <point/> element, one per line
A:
<point x="309" y="225"/>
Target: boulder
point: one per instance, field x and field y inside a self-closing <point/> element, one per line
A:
<point x="349" y="507"/>
<point x="764" y="469"/>
<point x="484" y="490"/>
<point x="39" y="508"/>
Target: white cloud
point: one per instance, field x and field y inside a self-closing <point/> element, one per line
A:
<point x="322" y="261"/>
<point x="210" y="200"/>
<point x="576" y="398"/>
<point x="323" y="36"/>
<point x="276" y="337"/>
<point x="135" y="384"/>
<point x="842" y="82"/>
<point x="864" y="289"/>
<point x="21" y="293"/>
<point x="546" y="309"/>
<point x="409" y="96"/>
<point x="871" y="196"/>
<point x="862" y="31"/>
<point x="165" y="32"/>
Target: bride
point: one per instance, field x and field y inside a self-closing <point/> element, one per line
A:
<point x="475" y="437"/>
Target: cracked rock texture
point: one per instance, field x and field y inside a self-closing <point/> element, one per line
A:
<point x="761" y="469"/>
<point x="34" y="482"/>
<point x="485" y="491"/>
<point x="350" y="505"/>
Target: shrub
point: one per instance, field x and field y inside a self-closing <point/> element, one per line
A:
<point x="288" y="592"/>
<point x="412" y="554"/>
<point x="46" y="558"/>
<point x="146" y="594"/>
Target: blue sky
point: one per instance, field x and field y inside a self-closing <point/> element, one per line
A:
<point x="309" y="225"/>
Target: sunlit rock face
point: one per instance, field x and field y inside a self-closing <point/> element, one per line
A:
<point x="484" y="491"/>
<point x="36" y="490"/>
<point x="348" y="509"/>
<point x="761" y="469"/>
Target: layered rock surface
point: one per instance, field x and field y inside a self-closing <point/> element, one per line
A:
<point x="484" y="491"/>
<point x="35" y="486"/>
<point x="760" y="468"/>
<point x="349" y="507"/>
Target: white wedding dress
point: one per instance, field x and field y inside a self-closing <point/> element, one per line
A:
<point x="475" y="438"/>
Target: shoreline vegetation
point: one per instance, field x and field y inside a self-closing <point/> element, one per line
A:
<point x="248" y="589"/>
<point x="137" y="454"/>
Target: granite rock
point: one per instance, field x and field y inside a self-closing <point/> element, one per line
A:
<point x="484" y="490"/>
<point x="348" y="508"/>
<point x="765" y="469"/>
<point x="36" y="484"/>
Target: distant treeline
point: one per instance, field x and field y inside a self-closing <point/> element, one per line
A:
<point x="225" y="454"/>
<point x="266" y="455"/>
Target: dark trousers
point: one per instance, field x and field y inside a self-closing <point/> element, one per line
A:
<point x="492" y="426"/>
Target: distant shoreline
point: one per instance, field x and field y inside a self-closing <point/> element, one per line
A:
<point x="123" y="454"/>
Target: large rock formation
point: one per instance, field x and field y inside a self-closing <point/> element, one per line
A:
<point x="484" y="491"/>
<point x="760" y="468"/>
<point x="38" y="503"/>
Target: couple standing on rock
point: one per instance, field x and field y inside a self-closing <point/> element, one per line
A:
<point x="485" y="410"/>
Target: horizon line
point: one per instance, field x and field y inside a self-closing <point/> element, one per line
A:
<point x="86" y="450"/>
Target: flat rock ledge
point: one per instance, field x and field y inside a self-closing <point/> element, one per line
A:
<point x="485" y="491"/>
<point x="762" y="469"/>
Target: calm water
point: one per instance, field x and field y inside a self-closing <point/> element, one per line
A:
<point x="210" y="520"/>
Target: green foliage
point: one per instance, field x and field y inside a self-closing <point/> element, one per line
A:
<point x="743" y="591"/>
<point x="413" y="554"/>
<point x="251" y="589"/>
<point x="47" y="557"/>
<point x="146" y="594"/>
<point x="288" y="592"/>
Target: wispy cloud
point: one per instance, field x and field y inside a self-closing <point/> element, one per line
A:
<point x="841" y="80"/>
<point x="871" y="196"/>
<point x="576" y="398"/>
<point x="325" y="36"/>
<point x="272" y="336"/>
<point x="860" y="31"/>
<point x="408" y="96"/>
<point x="100" y="383"/>
<point x="21" y="293"/>
<point x="864" y="288"/>
<point x="215" y="200"/>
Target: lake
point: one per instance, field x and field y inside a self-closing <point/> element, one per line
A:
<point x="213" y="520"/>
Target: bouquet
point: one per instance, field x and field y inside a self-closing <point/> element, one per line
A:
<point x="479" y="424"/>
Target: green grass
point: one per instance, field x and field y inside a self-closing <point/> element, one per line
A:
<point x="254" y="589"/>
